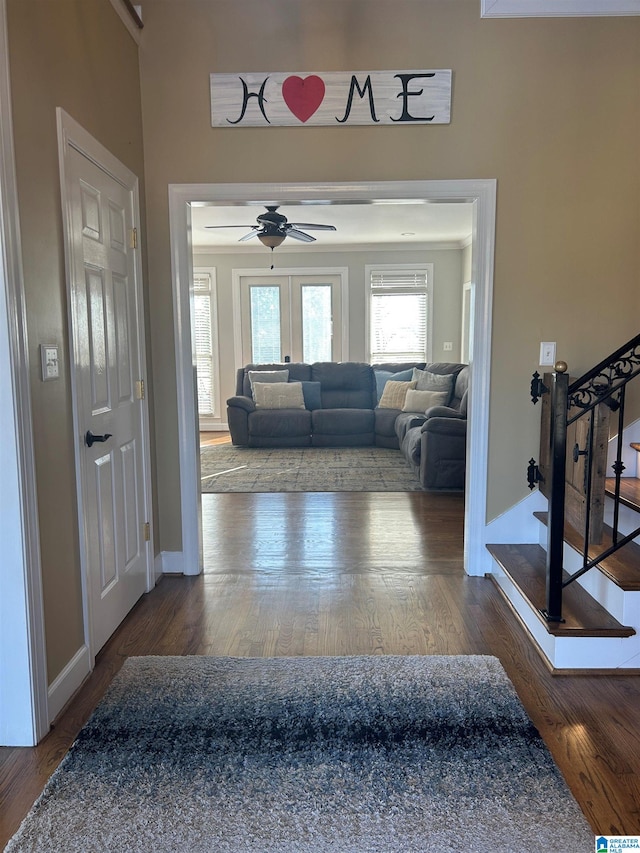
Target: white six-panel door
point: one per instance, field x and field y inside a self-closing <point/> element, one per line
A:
<point x="108" y="392"/>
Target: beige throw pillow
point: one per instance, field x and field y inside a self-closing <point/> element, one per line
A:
<point x="278" y="395"/>
<point x="394" y="394"/>
<point x="420" y="401"/>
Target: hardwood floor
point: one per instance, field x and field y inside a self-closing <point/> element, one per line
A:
<point x="354" y="573"/>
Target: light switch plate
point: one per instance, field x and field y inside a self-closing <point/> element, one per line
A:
<point x="49" y="362"/>
<point x="547" y="353"/>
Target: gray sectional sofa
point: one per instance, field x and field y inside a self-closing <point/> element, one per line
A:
<point x="347" y="404"/>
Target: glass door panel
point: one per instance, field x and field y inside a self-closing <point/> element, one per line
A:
<point x="291" y="318"/>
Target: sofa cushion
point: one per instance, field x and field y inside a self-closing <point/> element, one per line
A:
<point x="394" y="394"/>
<point x="412" y="445"/>
<point x="278" y="395"/>
<point x="383" y="376"/>
<point x="279" y="424"/>
<point x="345" y="385"/>
<point x="265" y="376"/>
<point x="342" y="421"/>
<point x="312" y="393"/>
<point x="420" y="401"/>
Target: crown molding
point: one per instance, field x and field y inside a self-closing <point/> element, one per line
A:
<point x="557" y="8"/>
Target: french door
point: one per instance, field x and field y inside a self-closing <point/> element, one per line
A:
<point x="291" y="317"/>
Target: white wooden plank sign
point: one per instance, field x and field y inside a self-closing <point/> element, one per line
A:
<point x="331" y="99"/>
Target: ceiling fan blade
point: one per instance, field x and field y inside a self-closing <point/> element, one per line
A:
<point x="249" y="235"/>
<point x="312" y="226"/>
<point x="230" y="226"/>
<point x="300" y="235"/>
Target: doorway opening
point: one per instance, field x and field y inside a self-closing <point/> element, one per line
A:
<point x="481" y="195"/>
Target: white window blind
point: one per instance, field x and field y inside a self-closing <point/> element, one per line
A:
<point x="399" y="320"/>
<point x="203" y="329"/>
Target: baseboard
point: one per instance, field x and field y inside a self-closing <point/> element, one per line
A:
<point x="64" y="686"/>
<point x="170" y="562"/>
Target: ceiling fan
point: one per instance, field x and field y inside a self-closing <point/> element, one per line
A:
<point x="274" y="227"/>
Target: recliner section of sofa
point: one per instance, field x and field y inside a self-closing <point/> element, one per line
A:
<point x="434" y="444"/>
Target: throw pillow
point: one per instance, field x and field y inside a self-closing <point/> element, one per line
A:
<point x="427" y="381"/>
<point x="278" y="395"/>
<point x="383" y="376"/>
<point x="311" y="391"/>
<point x="394" y="394"/>
<point x="420" y="401"/>
<point x="267" y="376"/>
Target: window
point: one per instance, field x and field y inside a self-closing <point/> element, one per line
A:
<point x="399" y="313"/>
<point x="205" y="332"/>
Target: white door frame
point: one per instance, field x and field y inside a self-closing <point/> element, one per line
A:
<point x="23" y="667"/>
<point x="481" y="193"/>
<point x="72" y="136"/>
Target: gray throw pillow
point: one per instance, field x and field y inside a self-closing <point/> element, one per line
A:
<point x="267" y="376"/>
<point x="427" y="381"/>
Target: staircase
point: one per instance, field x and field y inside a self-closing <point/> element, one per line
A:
<point x="598" y="628"/>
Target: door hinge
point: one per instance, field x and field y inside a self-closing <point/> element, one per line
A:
<point x="139" y="389"/>
<point x="133" y="238"/>
<point x="146" y="527"/>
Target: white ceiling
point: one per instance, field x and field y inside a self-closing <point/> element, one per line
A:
<point x="385" y="224"/>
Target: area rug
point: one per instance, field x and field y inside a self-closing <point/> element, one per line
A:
<point x="293" y="755"/>
<point x="225" y="468"/>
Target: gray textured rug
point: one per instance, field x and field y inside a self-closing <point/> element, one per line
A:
<point x="225" y="468"/>
<point x="293" y="755"/>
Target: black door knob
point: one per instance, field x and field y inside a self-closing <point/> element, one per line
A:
<point x="90" y="438"/>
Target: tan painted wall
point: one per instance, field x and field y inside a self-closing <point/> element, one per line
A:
<point x="549" y="107"/>
<point x="77" y="55"/>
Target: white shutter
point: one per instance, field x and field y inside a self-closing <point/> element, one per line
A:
<point x="399" y="318"/>
<point x="203" y="342"/>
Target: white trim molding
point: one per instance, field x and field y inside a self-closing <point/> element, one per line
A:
<point x="480" y="193"/>
<point x="557" y="8"/>
<point x="23" y="671"/>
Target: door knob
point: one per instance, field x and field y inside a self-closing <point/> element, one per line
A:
<point x="90" y="438"/>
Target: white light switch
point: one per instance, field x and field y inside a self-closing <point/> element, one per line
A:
<point x="49" y="361"/>
<point x="447" y="346"/>
<point x="547" y="352"/>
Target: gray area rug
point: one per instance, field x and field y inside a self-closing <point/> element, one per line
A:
<point x="292" y="755"/>
<point x="225" y="468"/>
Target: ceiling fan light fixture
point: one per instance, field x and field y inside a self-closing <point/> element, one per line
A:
<point x="271" y="240"/>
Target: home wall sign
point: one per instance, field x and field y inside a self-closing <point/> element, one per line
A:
<point x="331" y="99"/>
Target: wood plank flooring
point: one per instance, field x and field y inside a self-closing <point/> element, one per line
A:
<point x="334" y="574"/>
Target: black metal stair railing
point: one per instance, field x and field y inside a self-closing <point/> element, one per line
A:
<point x="605" y="384"/>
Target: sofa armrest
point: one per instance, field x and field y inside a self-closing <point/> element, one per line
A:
<point x="444" y="412"/>
<point x="245" y="403"/>
<point x="238" y="411"/>
<point x="445" y="426"/>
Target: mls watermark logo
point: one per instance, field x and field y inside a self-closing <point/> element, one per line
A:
<point x="617" y="843"/>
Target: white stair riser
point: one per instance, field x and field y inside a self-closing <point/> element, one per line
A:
<point x="570" y="652"/>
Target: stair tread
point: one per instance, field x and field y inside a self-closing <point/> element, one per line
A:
<point x="623" y="567"/>
<point x="629" y="490"/>
<point x="584" y="617"/>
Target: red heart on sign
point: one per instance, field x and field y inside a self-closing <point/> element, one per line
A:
<point x="303" y="97"/>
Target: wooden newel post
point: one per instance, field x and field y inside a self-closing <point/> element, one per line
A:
<point x="558" y="461"/>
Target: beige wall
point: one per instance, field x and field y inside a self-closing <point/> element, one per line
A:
<point x="447" y="296"/>
<point x="549" y="107"/>
<point x="75" y="54"/>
